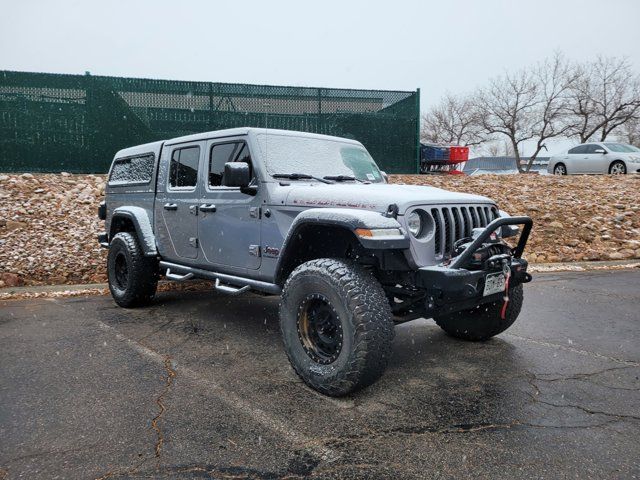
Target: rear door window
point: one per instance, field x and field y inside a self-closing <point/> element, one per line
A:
<point x="183" y="172"/>
<point x="592" y="148"/>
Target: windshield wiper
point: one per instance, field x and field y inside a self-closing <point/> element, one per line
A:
<point x="299" y="176"/>
<point x="343" y="178"/>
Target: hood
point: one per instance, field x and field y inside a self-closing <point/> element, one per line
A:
<point x="375" y="197"/>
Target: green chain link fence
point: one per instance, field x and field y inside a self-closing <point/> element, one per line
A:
<point x="76" y="123"/>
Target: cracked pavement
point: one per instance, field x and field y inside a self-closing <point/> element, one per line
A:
<point x="198" y="386"/>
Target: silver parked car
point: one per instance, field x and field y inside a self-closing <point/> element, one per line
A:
<point x="597" y="157"/>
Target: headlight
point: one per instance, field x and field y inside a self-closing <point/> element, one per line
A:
<point x="414" y="223"/>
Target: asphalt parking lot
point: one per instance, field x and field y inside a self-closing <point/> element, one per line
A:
<point x="198" y="386"/>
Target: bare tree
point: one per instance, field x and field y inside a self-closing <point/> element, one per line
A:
<point x="452" y="122"/>
<point x="506" y="108"/>
<point x="605" y="95"/>
<point x="630" y="132"/>
<point x="531" y="105"/>
<point x="492" y="149"/>
<point x="555" y="77"/>
<point x="498" y="148"/>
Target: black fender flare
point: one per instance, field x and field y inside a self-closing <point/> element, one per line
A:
<point x="142" y="224"/>
<point x="348" y="219"/>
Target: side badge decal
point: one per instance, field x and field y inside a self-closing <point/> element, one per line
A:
<point x="271" y="251"/>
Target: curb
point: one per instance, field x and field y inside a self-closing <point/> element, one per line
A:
<point x="584" y="266"/>
<point x="53" y="288"/>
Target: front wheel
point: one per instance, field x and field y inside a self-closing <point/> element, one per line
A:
<point x="484" y="321"/>
<point x="336" y="325"/>
<point x="618" y="168"/>
<point x="560" y="169"/>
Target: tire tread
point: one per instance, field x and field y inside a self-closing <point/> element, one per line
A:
<point x="374" y="329"/>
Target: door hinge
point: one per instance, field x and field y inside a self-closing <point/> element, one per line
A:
<point x="193" y="241"/>
<point x="193" y="209"/>
<point x="254" y="212"/>
<point x="254" y="250"/>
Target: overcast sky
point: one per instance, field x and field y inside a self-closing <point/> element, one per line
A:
<point x="437" y="46"/>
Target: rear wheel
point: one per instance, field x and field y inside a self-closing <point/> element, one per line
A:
<point x="133" y="278"/>
<point x="336" y="325"/>
<point x="560" y="169"/>
<point x="618" y="168"/>
<point x="484" y="321"/>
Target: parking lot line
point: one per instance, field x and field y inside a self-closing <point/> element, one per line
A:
<point x="234" y="401"/>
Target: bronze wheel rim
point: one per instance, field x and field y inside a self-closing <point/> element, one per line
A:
<point x="319" y="329"/>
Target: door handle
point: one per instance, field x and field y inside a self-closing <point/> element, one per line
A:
<point x="170" y="206"/>
<point x="207" y="207"/>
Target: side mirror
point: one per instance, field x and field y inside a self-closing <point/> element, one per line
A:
<point x="600" y="150"/>
<point x="236" y="174"/>
<point x="385" y="176"/>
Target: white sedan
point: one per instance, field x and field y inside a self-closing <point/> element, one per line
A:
<point x="598" y="157"/>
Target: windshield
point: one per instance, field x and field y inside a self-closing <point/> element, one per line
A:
<point x="319" y="157"/>
<point x="621" y="147"/>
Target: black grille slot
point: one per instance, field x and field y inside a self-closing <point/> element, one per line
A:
<point x="457" y="221"/>
<point x="438" y="230"/>
<point x="483" y="216"/>
<point x="467" y="221"/>
<point x="474" y="218"/>
<point x="447" y="230"/>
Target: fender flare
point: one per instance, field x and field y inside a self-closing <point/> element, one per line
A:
<point x="349" y="219"/>
<point x="142" y="224"/>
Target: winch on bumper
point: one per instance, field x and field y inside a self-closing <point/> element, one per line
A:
<point x="461" y="283"/>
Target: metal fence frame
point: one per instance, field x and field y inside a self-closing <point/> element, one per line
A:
<point x="75" y="123"/>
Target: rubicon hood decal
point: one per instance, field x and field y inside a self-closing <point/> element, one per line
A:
<point x="375" y="196"/>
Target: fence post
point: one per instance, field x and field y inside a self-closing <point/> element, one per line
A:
<point x="320" y="122"/>
<point x="418" y="130"/>
<point x="210" y="126"/>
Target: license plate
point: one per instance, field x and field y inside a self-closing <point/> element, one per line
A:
<point x="494" y="283"/>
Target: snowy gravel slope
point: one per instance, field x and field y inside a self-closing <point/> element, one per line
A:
<point x="48" y="223"/>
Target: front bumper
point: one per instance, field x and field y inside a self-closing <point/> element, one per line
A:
<point x="455" y="287"/>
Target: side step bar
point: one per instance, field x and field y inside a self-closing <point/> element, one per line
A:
<point x="230" y="290"/>
<point x="177" y="278"/>
<point x="186" y="273"/>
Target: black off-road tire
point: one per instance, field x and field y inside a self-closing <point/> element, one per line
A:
<point x="141" y="282"/>
<point x="361" y="309"/>
<point x="483" y="322"/>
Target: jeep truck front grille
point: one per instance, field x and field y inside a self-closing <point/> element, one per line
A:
<point x="453" y="223"/>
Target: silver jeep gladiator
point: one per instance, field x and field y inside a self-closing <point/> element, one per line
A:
<point x="312" y="218"/>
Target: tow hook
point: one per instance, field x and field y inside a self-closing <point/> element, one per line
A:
<point x="497" y="260"/>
